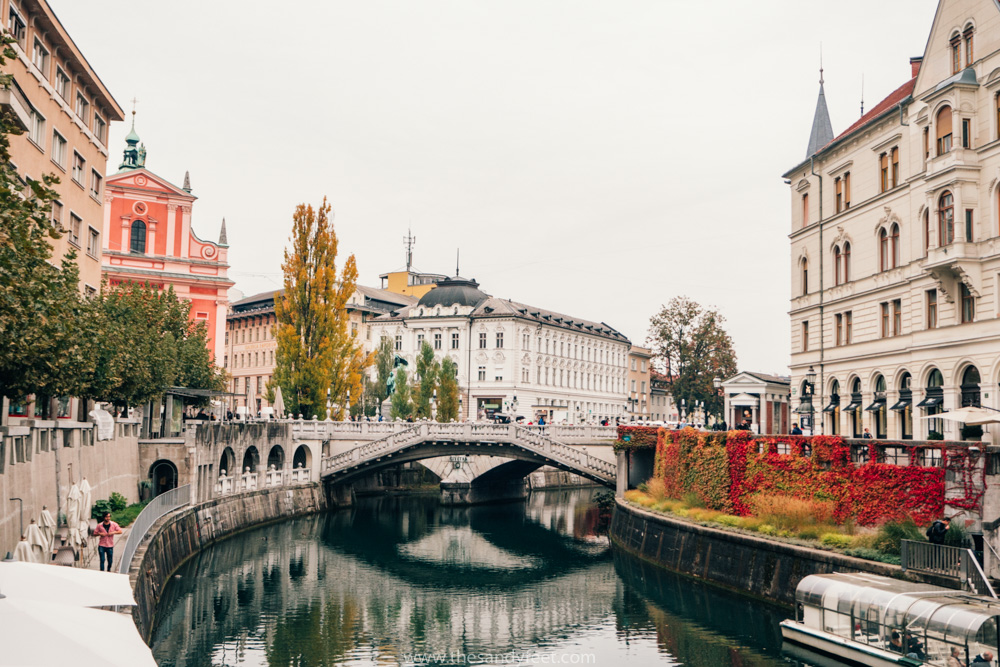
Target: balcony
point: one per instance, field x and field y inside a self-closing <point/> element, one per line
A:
<point x="957" y="262"/>
<point x="13" y="100"/>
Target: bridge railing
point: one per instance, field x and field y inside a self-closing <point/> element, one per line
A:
<point x="157" y="507"/>
<point x="371" y="449"/>
<point x="949" y="561"/>
<point x="567" y="453"/>
<point x="376" y="430"/>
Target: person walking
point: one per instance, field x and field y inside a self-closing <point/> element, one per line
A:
<point x="796" y="430"/>
<point x="107" y="530"/>
<point x="937" y="530"/>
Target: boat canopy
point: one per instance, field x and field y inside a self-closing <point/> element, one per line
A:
<point x="870" y="608"/>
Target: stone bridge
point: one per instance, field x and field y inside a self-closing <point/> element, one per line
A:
<point x="517" y="451"/>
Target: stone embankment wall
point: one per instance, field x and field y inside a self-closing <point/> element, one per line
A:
<point x="742" y="563"/>
<point x="41" y="459"/>
<point x="180" y="535"/>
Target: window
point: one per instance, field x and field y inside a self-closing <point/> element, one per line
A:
<point x="437" y="341"/>
<point x="100" y="129"/>
<point x="482" y="341"/>
<point x="927" y="137"/>
<point x="643" y="367"/>
<point x="59" y="150"/>
<point x="95" y="184"/>
<point x="805" y="209"/>
<point x="968" y="225"/>
<point x="848" y="327"/>
<point x="897" y="317"/>
<point x="420" y="342"/>
<point x="82" y="106"/>
<point x="75" y="223"/>
<point x="966" y="133"/>
<point x="943" y="130"/>
<point x="883" y="170"/>
<point x="927" y="231"/>
<point x="62" y="83"/>
<point x="932" y="309"/>
<point x="482" y="373"/>
<point x="499" y="340"/>
<point x="398" y="343"/>
<point x="839" y="329"/>
<point x="454" y="341"/>
<point x="805" y="336"/>
<point x="894" y="154"/>
<point x="94" y="243"/>
<point x="78" y="166"/>
<point x="16" y="26"/>
<point x="137" y="242"/>
<point x="885" y="319"/>
<point x="805" y="276"/>
<point x="847" y="262"/>
<point x="37" y="131"/>
<point x="968" y="304"/>
<point x="894" y="245"/>
<point x="956" y="54"/>
<point x="883" y="250"/>
<point x="847" y="190"/>
<point x="946" y="219"/>
<point x="633" y="386"/>
<point x="40" y="58"/>
<point x="839" y="187"/>
<point x="57" y="212"/>
<point x="967" y="35"/>
<point x="498" y="375"/>
<point x="633" y="364"/>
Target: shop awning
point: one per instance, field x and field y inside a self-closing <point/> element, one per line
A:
<point x="931" y="402"/>
<point x="854" y="404"/>
<point x="903" y="403"/>
<point x="804" y="409"/>
<point x="876" y="405"/>
<point x="834" y="404"/>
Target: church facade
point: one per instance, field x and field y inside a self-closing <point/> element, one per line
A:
<point x="148" y="237"/>
<point x="895" y="245"/>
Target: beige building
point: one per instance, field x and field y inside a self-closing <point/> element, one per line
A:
<point x="65" y="110"/>
<point x="638" y="401"/>
<point x="895" y="239"/>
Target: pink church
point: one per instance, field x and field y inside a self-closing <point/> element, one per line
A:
<point x="148" y="238"/>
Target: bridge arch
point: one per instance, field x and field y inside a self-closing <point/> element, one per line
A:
<point x="227" y="462"/>
<point x="302" y="458"/>
<point x="276" y="458"/>
<point x="251" y="459"/>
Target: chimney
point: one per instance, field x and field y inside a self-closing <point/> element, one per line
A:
<point x="915" y="65"/>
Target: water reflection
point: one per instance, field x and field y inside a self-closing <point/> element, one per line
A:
<point x="398" y="579"/>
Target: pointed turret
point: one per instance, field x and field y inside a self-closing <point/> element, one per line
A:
<point x="134" y="157"/>
<point x="822" y="130"/>
<point x="223" y="240"/>
<point x="187" y="188"/>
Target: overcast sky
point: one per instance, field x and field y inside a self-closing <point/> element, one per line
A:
<point x="593" y="158"/>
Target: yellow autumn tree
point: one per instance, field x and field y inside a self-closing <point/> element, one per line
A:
<point x="316" y="350"/>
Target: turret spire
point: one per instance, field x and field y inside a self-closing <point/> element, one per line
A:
<point x="187" y="184"/>
<point x="223" y="240"/>
<point x="822" y="130"/>
<point x="135" y="153"/>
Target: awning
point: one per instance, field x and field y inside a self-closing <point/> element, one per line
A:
<point x="903" y="403"/>
<point x="854" y="404"/>
<point x="834" y="405"/>
<point x="931" y="402"/>
<point x="804" y="409"/>
<point x="876" y="405"/>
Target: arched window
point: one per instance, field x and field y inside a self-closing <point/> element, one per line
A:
<point x="894" y="245"/>
<point x="956" y="53"/>
<point x="967" y="38"/>
<point x="883" y="250"/>
<point x="970" y="387"/>
<point x="847" y="262"/>
<point x="927" y="231"/>
<point x="137" y="243"/>
<point x="943" y="125"/>
<point x="946" y="218"/>
<point x="838" y="276"/>
<point x="805" y="276"/>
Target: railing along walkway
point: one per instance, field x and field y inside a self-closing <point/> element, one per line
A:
<point x="157" y="507"/>
<point x="305" y="429"/>
<point x="955" y="562"/>
<point x="572" y="457"/>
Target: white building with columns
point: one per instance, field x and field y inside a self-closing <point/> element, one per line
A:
<point x="514" y="358"/>
<point x="895" y="239"/>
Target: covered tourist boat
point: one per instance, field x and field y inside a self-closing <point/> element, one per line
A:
<point x="865" y="619"/>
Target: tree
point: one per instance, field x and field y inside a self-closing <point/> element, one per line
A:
<point x="427" y="375"/>
<point x="401" y="407"/>
<point x="385" y="357"/>
<point x="690" y="344"/>
<point x="447" y="407"/>
<point x="316" y="352"/>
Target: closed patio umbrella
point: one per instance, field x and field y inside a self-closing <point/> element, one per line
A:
<point x="23" y="552"/>
<point x="73" y="502"/>
<point x="48" y="526"/>
<point x="279" y="404"/>
<point x="39" y="546"/>
<point x="85" y="505"/>
<point x="77" y="587"/>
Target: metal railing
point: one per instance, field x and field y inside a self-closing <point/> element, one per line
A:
<point x="157" y="507"/>
<point x="956" y="562"/>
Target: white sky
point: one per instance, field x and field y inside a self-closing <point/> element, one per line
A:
<point x="594" y="158"/>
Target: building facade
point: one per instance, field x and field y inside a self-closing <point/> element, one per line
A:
<point x="148" y="237"/>
<point x="514" y="358"/>
<point x="895" y="244"/>
<point x="637" y="403"/>
<point x="65" y="111"/>
<point x="757" y="401"/>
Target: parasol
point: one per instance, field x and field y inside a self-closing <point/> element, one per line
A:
<point x="77" y="587"/>
<point x="23" y="551"/>
<point x="48" y="527"/>
<point x="279" y="404"/>
<point x="73" y="501"/>
<point x="85" y="505"/>
<point x="36" y="540"/>
<point x="971" y="415"/>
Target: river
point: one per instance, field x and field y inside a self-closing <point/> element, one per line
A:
<point x="402" y="580"/>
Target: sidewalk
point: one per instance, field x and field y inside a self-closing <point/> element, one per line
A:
<point x="89" y="557"/>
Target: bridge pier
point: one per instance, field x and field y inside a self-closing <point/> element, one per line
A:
<point x="457" y="494"/>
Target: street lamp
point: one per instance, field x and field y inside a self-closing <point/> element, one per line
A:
<point x="805" y="408"/>
<point x="329" y="405"/>
<point x="434" y="398"/>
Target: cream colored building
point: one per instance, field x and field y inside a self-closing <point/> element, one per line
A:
<point x="638" y="401"/>
<point x="65" y="110"/>
<point x="895" y="239"/>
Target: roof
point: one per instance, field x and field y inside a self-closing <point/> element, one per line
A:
<point x="454" y="291"/>
<point x="385" y="295"/>
<point x="822" y="131"/>
<point x="265" y="300"/>
<point x="894" y="98"/>
<point x="765" y="377"/>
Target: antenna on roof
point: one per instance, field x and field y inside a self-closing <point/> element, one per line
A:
<point x="457" y="272"/>
<point x="821" y="63"/>
<point x="862" y="93"/>
<point x="409" y="240"/>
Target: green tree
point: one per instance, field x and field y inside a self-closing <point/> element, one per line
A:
<point x="315" y="351"/>
<point x="447" y="407"/>
<point x="402" y="407"/>
<point x="427" y="375"/>
<point x="689" y="342"/>
<point x="385" y="357"/>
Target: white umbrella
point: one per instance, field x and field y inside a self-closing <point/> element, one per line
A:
<point x="279" y="404"/>
<point x="36" y="540"/>
<point x="23" y="552"/>
<point x="69" y="635"/>
<point x="48" y="526"/>
<point x="77" y="587"/>
<point x="73" y="501"/>
<point x="85" y="505"/>
<point x="970" y="415"/>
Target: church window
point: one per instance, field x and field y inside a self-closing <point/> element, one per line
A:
<point x="137" y="241"/>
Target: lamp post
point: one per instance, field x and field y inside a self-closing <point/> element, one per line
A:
<point x="683" y="406"/>
<point x="329" y="405"/>
<point x="434" y="398"/>
<point x="805" y="405"/>
<point x="348" y="404"/>
<point x="717" y="384"/>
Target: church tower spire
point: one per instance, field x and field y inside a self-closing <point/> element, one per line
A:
<point x="135" y="153"/>
<point x="822" y="130"/>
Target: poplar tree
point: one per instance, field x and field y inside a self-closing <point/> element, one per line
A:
<point x="401" y="407"/>
<point x="447" y="407"/>
<point x="427" y="375"/>
<point x="316" y="352"/>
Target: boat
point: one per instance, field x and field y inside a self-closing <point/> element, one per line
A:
<point x="872" y="621"/>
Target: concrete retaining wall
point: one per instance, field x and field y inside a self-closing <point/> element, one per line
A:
<point x="742" y="563"/>
<point x="179" y="536"/>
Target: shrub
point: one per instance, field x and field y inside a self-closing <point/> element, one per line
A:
<point x="837" y="540"/>
<point x="955" y="537"/>
<point x="99" y="509"/>
<point x="604" y="499"/>
<point x="935" y="435"/>
<point x="891" y="533"/>
<point x="644" y="487"/>
<point x="693" y="500"/>
<point x="767" y="529"/>
<point x="728" y="520"/>
<point x="633" y="495"/>
<point x="657" y="488"/>
<point x="126" y="515"/>
<point x="750" y="523"/>
<point x="118" y="502"/>
<point x="811" y="532"/>
<point x="790" y="513"/>
<point x="872" y="554"/>
<point x="972" y="432"/>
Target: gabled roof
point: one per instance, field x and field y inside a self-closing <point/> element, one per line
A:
<point x="126" y="179"/>
<point x="889" y="103"/>
<point x="762" y="377"/>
